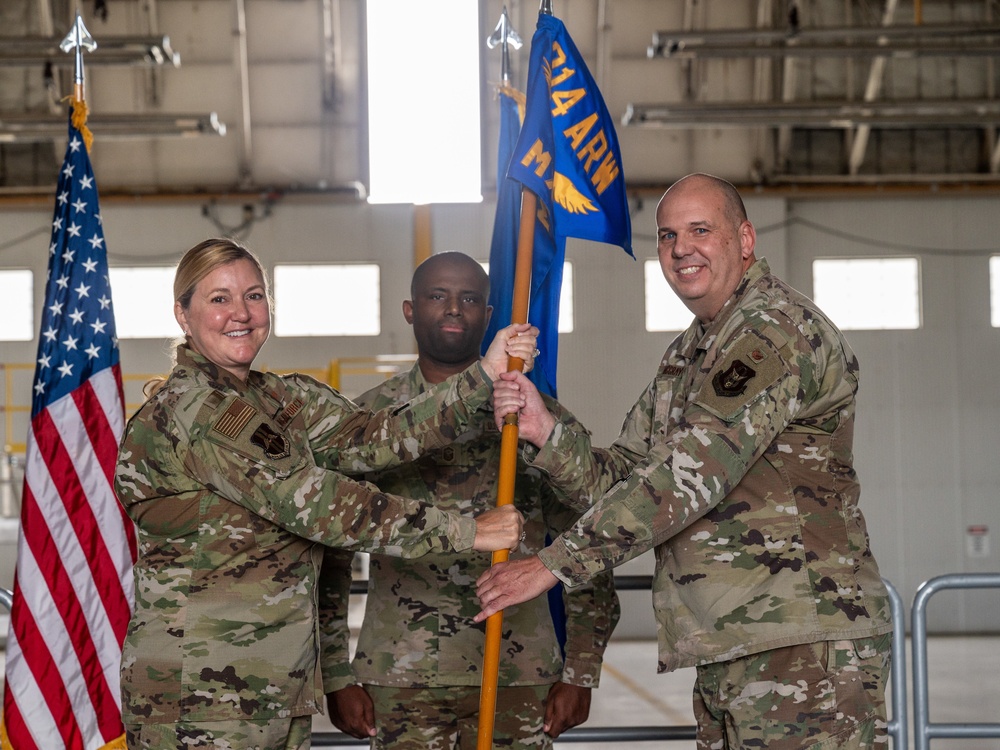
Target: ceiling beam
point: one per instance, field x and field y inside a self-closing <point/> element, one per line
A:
<point x="21" y="128"/>
<point x="121" y="50"/>
<point x="787" y="41"/>
<point x="925" y="113"/>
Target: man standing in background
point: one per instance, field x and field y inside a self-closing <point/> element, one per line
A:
<point x="419" y="656"/>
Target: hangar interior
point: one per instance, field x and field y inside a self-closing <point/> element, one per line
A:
<point x="853" y="128"/>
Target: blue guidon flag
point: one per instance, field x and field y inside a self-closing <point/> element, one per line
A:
<point x="546" y="259"/>
<point x="567" y="152"/>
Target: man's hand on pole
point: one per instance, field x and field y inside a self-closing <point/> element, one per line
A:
<point x="508" y="583"/>
<point x="516" y="341"/>
<point x="514" y="393"/>
<point x="498" y="528"/>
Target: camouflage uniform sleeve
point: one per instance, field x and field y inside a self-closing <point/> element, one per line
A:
<point x="592" y="610"/>
<point x="281" y="483"/>
<point x="719" y="435"/>
<point x="354" y="440"/>
<point x="334" y="590"/>
<point x="581" y="474"/>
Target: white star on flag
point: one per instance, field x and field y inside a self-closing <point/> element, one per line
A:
<point x="73" y="584"/>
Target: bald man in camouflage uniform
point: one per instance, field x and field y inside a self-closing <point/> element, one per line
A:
<point x="419" y="656"/>
<point x="235" y="487"/>
<point x="735" y="465"/>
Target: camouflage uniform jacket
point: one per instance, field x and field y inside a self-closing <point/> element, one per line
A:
<point x="235" y="487"/>
<point x="418" y="629"/>
<point x="736" y="465"/>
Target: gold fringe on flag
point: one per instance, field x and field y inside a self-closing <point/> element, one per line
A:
<point x="118" y="743"/>
<point x="80" y="120"/>
<point x="517" y="96"/>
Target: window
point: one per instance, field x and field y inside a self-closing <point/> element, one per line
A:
<point x="17" y="305"/>
<point x="664" y="309"/>
<point x="565" y="297"/>
<point x="566" y="300"/>
<point x="423" y="101"/>
<point x="327" y="300"/>
<point x="995" y="291"/>
<point x="869" y="293"/>
<point x="143" y="299"/>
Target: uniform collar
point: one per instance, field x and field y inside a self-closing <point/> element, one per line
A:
<point x="218" y="377"/>
<point x="699" y="336"/>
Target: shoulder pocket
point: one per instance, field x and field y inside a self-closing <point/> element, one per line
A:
<point x="235" y="425"/>
<point x="744" y="374"/>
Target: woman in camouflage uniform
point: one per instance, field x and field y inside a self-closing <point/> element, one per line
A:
<point x="236" y="480"/>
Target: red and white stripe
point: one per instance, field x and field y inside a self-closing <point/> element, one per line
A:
<point x="73" y="590"/>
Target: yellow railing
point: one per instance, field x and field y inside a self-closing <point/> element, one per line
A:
<point x="11" y="407"/>
<point x="356" y="373"/>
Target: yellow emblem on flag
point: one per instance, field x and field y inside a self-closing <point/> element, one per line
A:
<point x="564" y="193"/>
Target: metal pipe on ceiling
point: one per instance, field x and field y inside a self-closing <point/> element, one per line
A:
<point x="112" y="50"/>
<point x="899" y="114"/>
<point x="666" y="42"/>
<point x="26" y="128"/>
<point x="978" y="47"/>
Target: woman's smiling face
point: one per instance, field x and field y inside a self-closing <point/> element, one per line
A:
<point x="229" y="318"/>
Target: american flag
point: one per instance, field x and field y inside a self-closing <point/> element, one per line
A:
<point x="73" y="583"/>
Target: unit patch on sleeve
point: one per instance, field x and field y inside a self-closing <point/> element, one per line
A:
<point x="749" y="368"/>
<point x="732" y="381"/>
<point x="234" y="419"/>
<point x="274" y="445"/>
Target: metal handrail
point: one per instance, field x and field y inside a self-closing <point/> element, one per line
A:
<point x="923" y="728"/>
<point x="897" y="726"/>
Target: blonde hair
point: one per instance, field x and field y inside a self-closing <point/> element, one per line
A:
<point x="195" y="265"/>
<point x="205" y="257"/>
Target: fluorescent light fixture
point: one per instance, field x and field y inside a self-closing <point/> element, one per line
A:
<point x="22" y="128"/>
<point x="423" y="101"/>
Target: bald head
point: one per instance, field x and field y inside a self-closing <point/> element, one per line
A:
<point x="705" y="242"/>
<point x="445" y="262"/>
<point x="449" y="311"/>
<point x="732" y="203"/>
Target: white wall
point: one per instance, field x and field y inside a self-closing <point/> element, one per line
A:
<point x="926" y="443"/>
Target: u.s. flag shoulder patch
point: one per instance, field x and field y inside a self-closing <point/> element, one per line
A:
<point x="232" y="421"/>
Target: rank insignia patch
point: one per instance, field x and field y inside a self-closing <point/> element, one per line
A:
<point x="289" y="412"/>
<point x="275" y="446"/>
<point x="234" y="419"/>
<point x="732" y="381"/>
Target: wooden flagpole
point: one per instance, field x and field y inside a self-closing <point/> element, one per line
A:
<point x="508" y="468"/>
